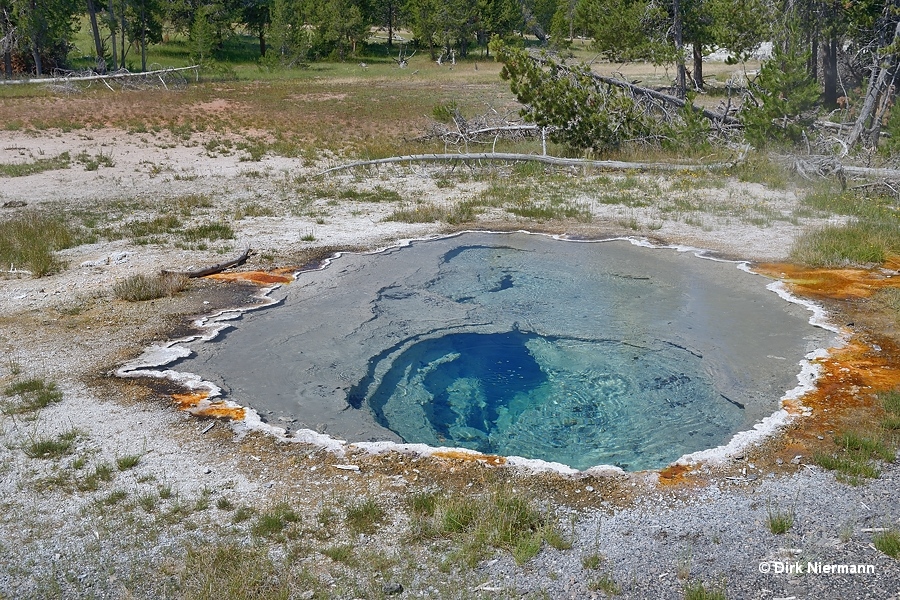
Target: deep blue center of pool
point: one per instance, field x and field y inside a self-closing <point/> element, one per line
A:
<point x="579" y="402"/>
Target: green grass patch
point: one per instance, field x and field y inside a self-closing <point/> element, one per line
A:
<point x="114" y="497"/>
<point x="889" y="299"/>
<point x="157" y="226"/>
<point x="757" y="168"/>
<point x="364" y="516"/>
<point x="888" y="542"/>
<point x="890" y="401"/>
<point x="51" y="447"/>
<point x="865" y="447"/>
<point x="861" y="242"/>
<point x="422" y="503"/>
<point x="129" y="461"/>
<point x="850" y="469"/>
<point x="208" y="231"/>
<point x="696" y="590"/>
<point x="187" y="204"/>
<point x="779" y="521"/>
<point x="241" y="514"/>
<point x="252" y="209"/>
<point x="148" y="501"/>
<point x="378" y="194"/>
<point x="858" y="453"/>
<point x="31" y="395"/>
<point x="342" y="553"/>
<point x="592" y="562"/>
<point x="139" y="288"/>
<point x="232" y="571"/>
<point x="872" y="233"/>
<point x="500" y="519"/>
<point x="29" y="242"/>
<point x="274" y="521"/>
<point x="61" y="161"/>
<point x="606" y="584"/>
<point x="92" y="163"/>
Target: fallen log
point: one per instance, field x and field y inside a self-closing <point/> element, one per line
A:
<point x="547" y="160"/>
<point x="107" y="77"/>
<point x="212" y="269"/>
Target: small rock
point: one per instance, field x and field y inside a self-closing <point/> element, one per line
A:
<point x="589" y="488"/>
<point x="307" y="595"/>
<point x="392" y="588"/>
<point x="778" y="461"/>
<point x="14" y="204"/>
<point x="796" y="459"/>
<point x="207" y="471"/>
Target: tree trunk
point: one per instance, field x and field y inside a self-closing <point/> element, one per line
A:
<point x="7" y="64"/>
<point x="143" y="38"/>
<point x="829" y="72"/>
<point x="680" y="76"/>
<point x="698" y="66"/>
<point x="38" y="65"/>
<point x="122" y="38"/>
<point x="98" y="45"/>
<point x="877" y="85"/>
<point x="390" y="24"/>
<point x="261" y="33"/>
<point x="112" y="35"/>
<point x="36" y="42"/>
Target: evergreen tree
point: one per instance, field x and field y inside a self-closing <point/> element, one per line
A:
<point x="784" y="94"/>
<point x="45" y="29"/>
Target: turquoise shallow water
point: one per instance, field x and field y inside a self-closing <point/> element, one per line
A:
<point x="516" y="344"/>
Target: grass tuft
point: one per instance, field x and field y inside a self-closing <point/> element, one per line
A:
<point x="779" y="521"/>
<point x="606" y="584"/>
<point x="231" y="571"/>
<point x="129" y="461"/>
<point x="51" y="447"/>
<point x="274" y="521"/>
<point x="888" y="542"/>
<point x="364" y="516"/>
<point x="139" y="288"/>
<point x="33" y="394"/>
<point x="697" y="591"/>
<point x="209" y="231"/>
<point x="867" y="238"/>
<point x="500" y="519"/>
<point x="342" y="553"/>
<point x="61" y="161"/>
<point x="592" y="562"/>
<point x="29" y="242"/>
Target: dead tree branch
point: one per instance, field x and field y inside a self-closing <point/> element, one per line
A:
<point x="121" y="74"/>
<point x="212" y="269"/>
<point x="879" y="85"/>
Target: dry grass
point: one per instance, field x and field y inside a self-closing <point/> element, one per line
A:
<point x="339" y="107"/>
<point x="29" y="242"/>
<point x="138" y="288"/>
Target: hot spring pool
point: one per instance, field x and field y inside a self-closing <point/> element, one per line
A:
<point x="583" y="353"/>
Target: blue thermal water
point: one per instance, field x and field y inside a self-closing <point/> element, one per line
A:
<point x="514" y="344"/>
<point x="577" y="402"/>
